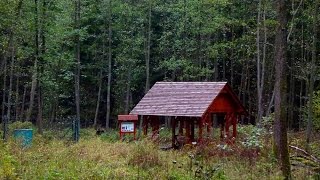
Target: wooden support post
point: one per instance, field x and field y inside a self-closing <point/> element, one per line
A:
<point x="200" y="123"/>
<point x="155" y="123"/>
<point x="227" y="126"/>
<point x="134" y="132"/>
<point x="187" y="127"/>
<point x="192" y="129"/>
<point x="145" y="124"/>
<point x="140" y="126"/>
<point x="120" y="133"/>
<point x="173" y="125"/>
<point x="234" y="124"/>
<point x="181" y="125"/>
<point x="152" y="123"/>
<point x="222" y="125"/>
<point x="209" y="125"/>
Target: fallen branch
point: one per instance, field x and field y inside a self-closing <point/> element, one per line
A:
<point x="315" y="159"/>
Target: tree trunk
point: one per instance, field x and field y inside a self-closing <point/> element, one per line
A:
<point x="33" y="90"/>
<point x="109" y="64"/>
<point x="100" y="76"/>
<point x="291" y="92"/>
<point x="216" y="73"/>
<point x="247" y="91"/>
<point x="98" y="100"/>
<point x="312" y="72"/>
<point x="245" y="85"/>
<point x="127" y="101"/>
<point x="10" y="81"/>
<point x="259" y="65"/>
<point x="41" y="50"/>
<point x="199" y="37"/>
<point x="184" y="55"/>
<point x="54" y="110"/>
<point x="17" y="110"/>
<point x="23" y="103"/>
<point x="147" y="87"/>
<point x="280" y="124"/>
<point x="232" y="58"/>
<point x="271" y="103"/>
<point x="224" y="59"/>
<point x="40" y="111"/>
<point x="11" y="39"/>
<point x="35" y="67"/>
<point x="241" y="82"/>
<point x="264" y="53"/>
<point x="77" y="71"/>
<point x="300" y="105"/>
<point x="42" y="33"/>
<point x="4" y="90"/>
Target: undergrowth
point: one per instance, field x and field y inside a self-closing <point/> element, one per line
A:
<point x="105" y="157"/>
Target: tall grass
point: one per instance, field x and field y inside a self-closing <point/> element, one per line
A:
<point x="105" y="157"/>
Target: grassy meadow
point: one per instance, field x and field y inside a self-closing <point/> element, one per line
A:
<point x="105" y="157"/>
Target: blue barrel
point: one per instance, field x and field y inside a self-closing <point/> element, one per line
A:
<point x="24" y="136"/>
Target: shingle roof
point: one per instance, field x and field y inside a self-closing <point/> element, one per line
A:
<point x="190" y="99"/>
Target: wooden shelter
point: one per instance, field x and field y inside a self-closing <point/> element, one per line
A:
<point x="190" y="104"/>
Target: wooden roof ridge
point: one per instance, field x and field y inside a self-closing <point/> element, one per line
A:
<point x="191" y="99"/>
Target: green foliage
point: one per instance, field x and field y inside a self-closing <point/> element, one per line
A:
<point x="8" y="163"/>
<point x="21" y="125"/>
<point x="165" y="135"/>
<point x="110" y="136"/>
<point x="253" y="136"/>
<point x="145" y="155"/>
<point x="316" y="111"/>
<point x="87" y="133"/>
<point x="96" y="158"/>
<point x="267" y="121"/>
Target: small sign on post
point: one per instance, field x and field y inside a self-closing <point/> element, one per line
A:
<point x="128" y="125"/>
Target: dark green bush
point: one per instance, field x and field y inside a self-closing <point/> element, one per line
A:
<point x="110" y="136"/>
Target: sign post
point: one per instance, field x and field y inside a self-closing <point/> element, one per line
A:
<point x="128" y="125"/>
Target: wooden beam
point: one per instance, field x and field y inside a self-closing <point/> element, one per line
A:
<point x="181" y="125"/>
<point x="173" y="121"/>
<point x="200" y="123"/>
<point x="234" y="124"/>
<point x="187" y="127"/>
<point x="145" y="124"/>
<point x="209" y="125"/>
<point x="192" y="129"/>
<point x="222" y="128"/>
<point x="228" y="123"/>
<point x="155" y="123"/>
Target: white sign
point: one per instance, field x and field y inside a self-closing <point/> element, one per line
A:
<point x="127" y="127"/>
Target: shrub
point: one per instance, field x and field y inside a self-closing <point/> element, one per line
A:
<point x="21" y="125"/>
<point x="316" y="110"/>
<point x="253" y="136"/>
<point x="110" y="136"/>
<point x="87" y="133"/>
<point x="267" y="121"/>
<point x="145" y="155"/>
<point x="7" y="163"/>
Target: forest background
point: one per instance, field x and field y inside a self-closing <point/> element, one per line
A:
<point x="95" y="59"/>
